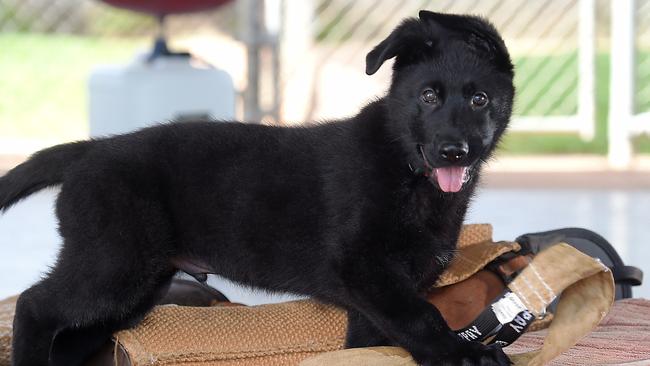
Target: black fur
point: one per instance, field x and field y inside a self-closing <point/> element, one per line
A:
<point x="342" y="211"/>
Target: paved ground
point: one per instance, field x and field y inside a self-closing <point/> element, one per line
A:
<point x="615" y="204"/>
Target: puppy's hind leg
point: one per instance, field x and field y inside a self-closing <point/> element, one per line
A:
<point x="32" y="328"/>
<point x="59" y="322"/>
<point x="106" y="278"/>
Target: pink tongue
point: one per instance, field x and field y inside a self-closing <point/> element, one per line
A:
<point x="450" y="179"/>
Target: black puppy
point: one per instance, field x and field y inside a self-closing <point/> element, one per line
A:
<point x="362" y="213"/>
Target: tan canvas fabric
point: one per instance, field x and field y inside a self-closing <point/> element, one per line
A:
<point x="474" y="233"/>
<point x="288" y="333"/>
<point x="471" y="258"/>
<point x="277" y="334"/>
<point x="384" y="356"/>
<point x="7" y="309"/>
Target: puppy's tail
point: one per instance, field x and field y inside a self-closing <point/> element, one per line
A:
<point x="43" y="169"/>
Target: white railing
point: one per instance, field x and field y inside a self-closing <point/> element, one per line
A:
<point x="623" y="123"/>
<point x="584" y="121"/>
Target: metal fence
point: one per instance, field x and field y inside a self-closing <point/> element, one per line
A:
<point x="306" y="61"/>
<point x="552" y="43"/>
<point x="556" y="46"/>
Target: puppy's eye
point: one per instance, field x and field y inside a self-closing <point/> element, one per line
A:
<point x="429" y="96"/>
<point x="479" y="100"/>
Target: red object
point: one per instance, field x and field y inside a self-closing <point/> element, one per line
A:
<point x="164" y="7"/>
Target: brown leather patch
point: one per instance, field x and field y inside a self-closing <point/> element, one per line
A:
<point x="462" y="302"/>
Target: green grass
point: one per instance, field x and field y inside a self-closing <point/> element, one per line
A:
<point x="528" y="143"/>
<point x="546" y="85"/>
<point x="43" y="82"/>
<point x="43" y="90"/>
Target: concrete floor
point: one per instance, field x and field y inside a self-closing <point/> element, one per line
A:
<point x="29" y="240"/>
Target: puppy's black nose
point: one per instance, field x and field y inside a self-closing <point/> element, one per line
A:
<point x="453" y="151"/>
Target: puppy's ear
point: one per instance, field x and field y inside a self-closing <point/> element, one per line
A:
<point x="396" y="43"/>
<point x="477" y="32"/>
<point x="385" y="50"/>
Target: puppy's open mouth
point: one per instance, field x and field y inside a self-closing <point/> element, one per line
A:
<point x="450" y="179"/>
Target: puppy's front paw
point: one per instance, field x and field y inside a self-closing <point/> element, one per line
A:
<point x="474" y="354"/>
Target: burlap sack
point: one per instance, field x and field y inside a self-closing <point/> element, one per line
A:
<point x="7" y="310"/>
<point x="311" y="333"/>
<point x="285" y="334"/>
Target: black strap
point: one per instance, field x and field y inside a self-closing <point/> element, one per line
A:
<point x="511" y="331"/>
<point x="515" y="320"/>
<point x="628" y="275"/>
<point x="485" y="325"/>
